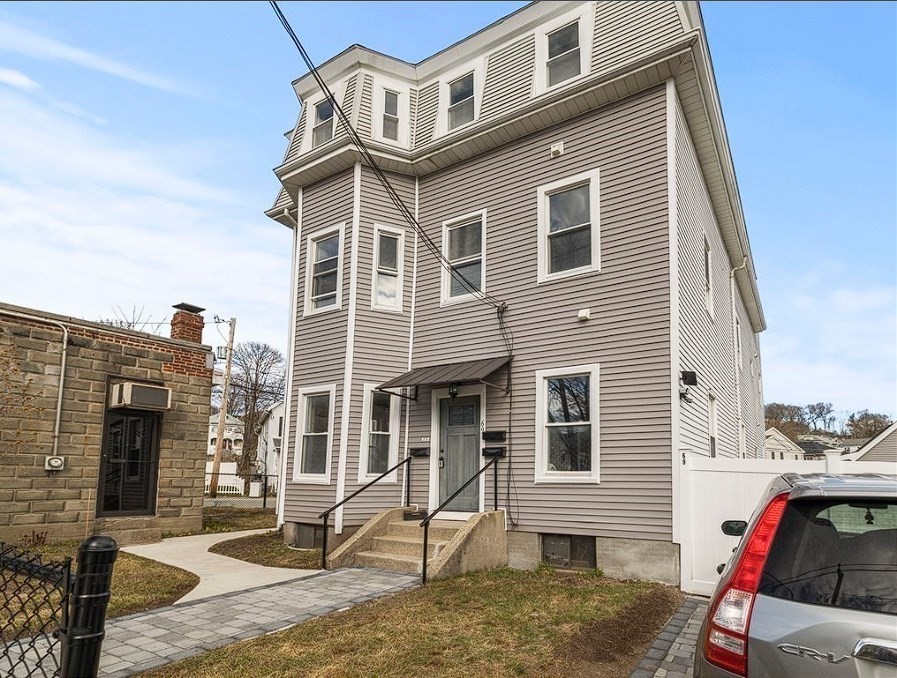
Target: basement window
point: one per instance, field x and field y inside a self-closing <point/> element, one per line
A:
<point x="569" y="551"/>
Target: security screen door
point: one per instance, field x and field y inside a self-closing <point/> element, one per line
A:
<point x="129" y="465"/>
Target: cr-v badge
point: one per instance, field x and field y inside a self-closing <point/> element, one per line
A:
<point x="810" y="653"/>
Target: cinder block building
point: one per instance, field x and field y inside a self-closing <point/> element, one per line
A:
<point x="102" y="429"/>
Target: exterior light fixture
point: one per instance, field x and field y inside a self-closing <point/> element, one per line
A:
<point x="453" y="391"/>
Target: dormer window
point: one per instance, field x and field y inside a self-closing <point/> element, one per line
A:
<point x="461" y="109"/>
<point x="563" y="54"/>
<point x="323" y="130"/>
<point x="390" y="115"/>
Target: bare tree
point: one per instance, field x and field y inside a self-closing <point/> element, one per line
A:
<point x="866" y="424"/>
<point x="791" y="420"/>
<point x="820" y="415"/>
<point x="257" y="383"/>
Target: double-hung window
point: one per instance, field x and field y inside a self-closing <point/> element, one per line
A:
<point x="390" y="115"/>
<point x="461" y="101"/>
<point x="380" y="434"/>
<point x="463" y="244"/>
<point x="323" y="128"/>
<point x="563" y="54"/>
<point x="324" y="275"/>
<point x="315" y="428"/>
<point x="567" y="424"/>
<point x="389" y="245"/>
<point x="569" y="228"/>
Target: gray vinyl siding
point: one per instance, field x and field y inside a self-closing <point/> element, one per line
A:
<point x="509" y="77"/>
<point x="629" y="300"/>
<point x="365" y="111"/>
<point x="320" y="343"/>
<point x="884" y="450"/>
<point x="381" y="339"/>
<point x="296" y="139"/>
<point x="283" y="200"/>
<point x="706" y="341"/>
<point x="347" y="104"/>
<point x="427" y="104"/>
<point x="627" y="30"/>
<point x="749" y="384"/>
<point x="412" y="106"/>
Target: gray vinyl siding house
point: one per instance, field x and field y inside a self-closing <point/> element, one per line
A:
<point x="666" y="284"/>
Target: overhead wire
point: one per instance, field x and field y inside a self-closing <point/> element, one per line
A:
<point x="500" y="306"/>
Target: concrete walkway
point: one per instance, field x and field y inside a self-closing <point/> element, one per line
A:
<point x="217" y="574"/>
<point x="673" y="652"/>
<point x="147" y="640"/>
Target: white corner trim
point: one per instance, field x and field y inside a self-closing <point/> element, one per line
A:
<point x="541" y="473"/>
<point x="544" y="192"/>
<point x="346" y="405"/>
<point x="400" y="262"/>
<point x="312" y="238"/>
<point x="675" y="367"/>
<point x="302" y="394"/>
<point x="411" y="332"/>
<point x="446" y="278"/>
<point x="291" y="344"/>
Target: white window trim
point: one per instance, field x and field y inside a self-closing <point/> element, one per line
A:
<point x="381" y="84"/>
<point x="445" y="299"/>
<point x="310" y="106"/>
<point x="586" y="26"/>
<point x="400" y="262"/>
<point x="395" y="416"/>
<point x="313" y="237"/>
<point x="593" y="177"/>
<point x="302" y="394"/>
<point x="542" y="474"/>
<point x="478" y="68"/>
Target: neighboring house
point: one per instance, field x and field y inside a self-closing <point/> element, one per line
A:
<point x="270" y="441"/>
<point x="102" y="430"/>
<point x="853" y="444"/>
<point x="232" y="444"/>
<point x="571" y="162"/>
<point x="779" y="446"/>
<point x="815" y="445"/>
<point x="882" y="447"/>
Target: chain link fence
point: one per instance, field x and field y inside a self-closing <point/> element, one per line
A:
<point x="34" y="597"/>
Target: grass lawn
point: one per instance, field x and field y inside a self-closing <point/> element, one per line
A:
<point x="234" y="519"/>
<point x="137" y="584"/>
<point x="268" y="549"/>
<point x="497" y="623"/>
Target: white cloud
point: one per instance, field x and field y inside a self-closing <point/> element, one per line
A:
<point x="831" y="342"/>
<point x="22" y="41"/>
<point x="17" y="79"/>
<point x="91" y="221"/>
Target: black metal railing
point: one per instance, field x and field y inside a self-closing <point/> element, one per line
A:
<point x="325" y="516"/>
<point x="52" y="623"/>
<point x="425" y="523"/>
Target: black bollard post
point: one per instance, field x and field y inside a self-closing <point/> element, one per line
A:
<point x="83" y="639"/>
<point x="265" y="492"/>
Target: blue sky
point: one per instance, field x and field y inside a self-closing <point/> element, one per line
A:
<point x="137" y="141"/>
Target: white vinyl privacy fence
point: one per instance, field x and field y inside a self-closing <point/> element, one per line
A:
<point x="714" y="490"/>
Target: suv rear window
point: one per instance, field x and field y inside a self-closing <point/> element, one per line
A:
<point x="836" y="553"/>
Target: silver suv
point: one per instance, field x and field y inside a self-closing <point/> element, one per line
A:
<point x="811" y="589"/>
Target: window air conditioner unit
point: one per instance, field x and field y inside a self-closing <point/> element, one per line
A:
<point x="140" y="396"/>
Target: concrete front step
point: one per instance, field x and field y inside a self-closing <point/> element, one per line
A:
<point x="440" y="530"/>
<point x="407" y="546"/>
<point x="389" y="561"/>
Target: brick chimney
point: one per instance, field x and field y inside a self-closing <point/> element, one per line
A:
<point x="187" y="324"/>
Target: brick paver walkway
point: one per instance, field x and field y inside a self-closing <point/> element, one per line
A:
<point x="147" y="640"/>
<point x="673" y="652"/>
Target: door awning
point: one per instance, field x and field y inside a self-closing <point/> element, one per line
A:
<point x="450" y="373"/>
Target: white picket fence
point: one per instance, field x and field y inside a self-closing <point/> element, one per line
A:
<point x="714" y="490"/>
<point x="229" y="483"/>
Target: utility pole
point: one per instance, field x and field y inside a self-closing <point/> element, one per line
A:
<point x="222" y="413"/>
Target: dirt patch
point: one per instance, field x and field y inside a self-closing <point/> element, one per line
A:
<point x="268" y="549"/>
<point x="612" y="647"/>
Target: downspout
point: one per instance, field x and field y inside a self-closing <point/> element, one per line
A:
<point x="736" y="367"/>
<point x="65" y="346"/>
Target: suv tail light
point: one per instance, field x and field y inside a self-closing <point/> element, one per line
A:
<point x="725" y="644"/>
